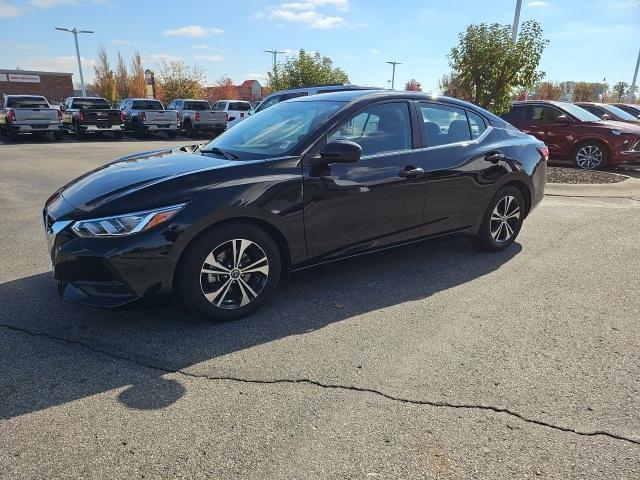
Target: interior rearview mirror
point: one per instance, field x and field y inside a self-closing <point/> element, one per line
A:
<point x="341" y="151"/>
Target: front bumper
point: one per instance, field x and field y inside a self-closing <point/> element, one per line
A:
<point x="109" y="272"/>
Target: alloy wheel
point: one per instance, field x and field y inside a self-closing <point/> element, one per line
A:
<point x="504" y="219"/>
<point x="589" y="157"/>
<point x="234" y="273"/>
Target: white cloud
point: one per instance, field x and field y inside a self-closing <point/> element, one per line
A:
<point x="201" y="46"/>
<point x="307" y="13"/>
<point x="51" y="3"/>
<point x="160" y="57"/>
<point x="537" y="4"/>
<point x="120" y="41"/>
<point x="193" y="31"/>
<point x="8" y="10"/>
<point x="67" y="64"/>
<point x="209" y="58"/>
<point x="374" y="51"/>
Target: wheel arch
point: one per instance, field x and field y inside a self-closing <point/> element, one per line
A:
<point x="582" y="141"/>
<point x="269" y="227"/>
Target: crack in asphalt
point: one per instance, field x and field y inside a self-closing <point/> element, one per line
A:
<point x="307" y="381"/>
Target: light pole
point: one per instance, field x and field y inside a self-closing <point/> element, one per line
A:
<point x="75" y="32"/>
<point x="632" y="88"/>
<point x="516" y="21"/>
<point x="275" y="53"/>
<point x="393" y="73"/>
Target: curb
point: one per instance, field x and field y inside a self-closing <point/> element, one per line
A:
<point x="629" y="188"/>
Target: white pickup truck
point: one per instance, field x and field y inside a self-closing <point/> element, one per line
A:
<point x="146" y="115"/>
<point x="29" y="114"/>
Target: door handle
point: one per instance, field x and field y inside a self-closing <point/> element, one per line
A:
<point x="412" y="172"/>
<point x="495" y="157"/>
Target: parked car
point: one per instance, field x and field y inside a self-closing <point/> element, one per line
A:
<point x="29" y="114"/>
<point x="575" y="136"/>
<point x="305" y="182"/>
<point x="144" y="115"/>
<point x="195" y="115"/>
<point x="633" y="109"/>
<point x="226" y="111"/>
<point x="605" y="111"/>
<point x="283" y="95"/>
<point x="83" y="115"/>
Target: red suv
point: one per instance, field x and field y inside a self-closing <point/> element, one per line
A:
<point x="576" y="136"/>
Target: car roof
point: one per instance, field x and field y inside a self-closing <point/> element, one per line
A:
<point x="558" y="103"/>
<point x="363" y="96"/>
<point x="333" y="86"/>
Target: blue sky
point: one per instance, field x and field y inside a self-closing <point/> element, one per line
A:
<point x="590" y="39"/>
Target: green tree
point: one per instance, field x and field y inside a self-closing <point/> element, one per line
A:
<point x="548" y="91"/>
<point x="588" y="91"/>
<point x="122" y="78"/>
<point x="303" y="70"/>
<point x="105" y="80"/>
<point x="177" y="80"/>
<point x="620" y="89"/>
<point x="488" y="67"/>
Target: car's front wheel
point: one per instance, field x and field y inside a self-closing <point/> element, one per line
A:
<point x="230" y="271"/>
<point x="591" y="155"/>
<point x="502" y="220"/>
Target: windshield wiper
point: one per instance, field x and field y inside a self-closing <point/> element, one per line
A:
<point x="219" y="151"/>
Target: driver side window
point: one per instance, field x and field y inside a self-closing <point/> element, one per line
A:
<point x="378" y="129"/>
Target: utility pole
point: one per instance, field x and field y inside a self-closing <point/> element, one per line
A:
<point x="516" y="21"/>
<point x="275" y="53"/>
<point x="393" y="73"/>
<point x="75" y="32"/>
<point x="632" y="88"/>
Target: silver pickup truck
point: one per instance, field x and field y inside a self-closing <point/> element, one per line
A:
<point x="195" y="115"/>
<point x="145" y="115"/>
<point x="29" y="114"/>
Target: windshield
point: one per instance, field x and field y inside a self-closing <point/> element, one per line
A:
<point x="578" y="112"/>
<point x="147" y="105"/>
<point x="90" y="103"/>
<point x="27" y="102"/>
<point x="275" y="131"/>
<point x="618" y="112"/>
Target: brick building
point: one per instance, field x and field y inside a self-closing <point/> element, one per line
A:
<point x="55" y="86"/>
<point x="249" y="90"/>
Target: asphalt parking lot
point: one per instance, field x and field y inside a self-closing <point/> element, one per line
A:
<point x="431" y="361"/>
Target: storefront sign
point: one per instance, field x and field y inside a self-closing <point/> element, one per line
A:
<point x="24" y="78"/>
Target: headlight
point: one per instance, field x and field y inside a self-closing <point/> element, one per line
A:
<point x="616" y="132"/>
<point x="126" y="224"/>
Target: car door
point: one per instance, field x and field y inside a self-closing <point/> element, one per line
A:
<point x="464" y="158"/>
<point x="372" y="203"/>
<point x="554" y="127"/>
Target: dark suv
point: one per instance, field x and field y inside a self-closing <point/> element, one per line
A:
<point x="576" y="136"/>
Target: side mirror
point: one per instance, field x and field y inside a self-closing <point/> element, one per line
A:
<point x="606" y="116"/>
<point x="341" y="151"/>
<point x="563" y="119"/>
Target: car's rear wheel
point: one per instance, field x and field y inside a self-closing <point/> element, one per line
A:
<point x="502" y="220"/>
<point x="591" y="155"/>
<point x="229" y="272"/>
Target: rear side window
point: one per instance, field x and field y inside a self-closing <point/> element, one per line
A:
<point x="476" y="123"/>
<point x="444" y="124"/>
<point x="147" y="105"/>
<point x="240" y="106"/>
<point x="516" y="114"/>
<point x="199" y="106"/>
<point x="219" y="106"/>
<point x="27" y="102"/>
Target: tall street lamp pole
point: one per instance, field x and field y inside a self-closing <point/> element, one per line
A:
<point x="274" y="53"/>
<point x="393" y="73"/>
<point x="75" y="32"/>
<point x="516" y="21"/>
<point x="632" y="89"/>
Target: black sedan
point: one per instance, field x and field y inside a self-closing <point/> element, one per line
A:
<point x="308" y="181"/>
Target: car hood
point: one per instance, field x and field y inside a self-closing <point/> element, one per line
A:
<point x="142" y="179"/>
<point x="624" y="127"/>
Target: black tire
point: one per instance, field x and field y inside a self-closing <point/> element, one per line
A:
<point x="591" y="155"/>
<point x="224" y="305"/>
<point x="495" y="235"/>
<point x="139" y="131"/>
<point x="13" y="136"/>
<point x="58" y="136"/>
<point x="78" y="134"/>
<point x="188" y="128"/>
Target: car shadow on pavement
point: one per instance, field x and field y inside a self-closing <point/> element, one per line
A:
<point x="52" y="353"/>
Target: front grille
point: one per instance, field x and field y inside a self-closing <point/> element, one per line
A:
<point x="87" y="269"/>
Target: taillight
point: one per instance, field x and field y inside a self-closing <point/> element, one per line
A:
<point x="121" y="117"/>
<point x="59" y="115"/>
<point x="241" y="114"/>
<point x="81" y="117"/>
<point x="11" y="116"/>
<point x="197" y="116"/>
<point x="143" y="116"/>
<point x="544" y="151"/>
